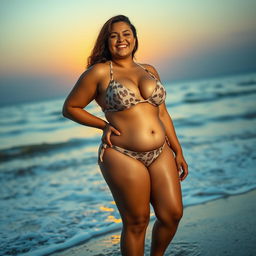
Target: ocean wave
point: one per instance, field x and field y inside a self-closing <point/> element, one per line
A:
<point x="14" y="173"/>
<point x="247" y="83"/>
<point x="43" y="148"/>
<point x="193" y="141"/>
<point x="9" y="131"/>
<point x="201" y="120"/>
<point x="13" y="122"/>
<point x="184" y="122"/>
<point x="197" y="97"/>
<point x="227" y="118"/>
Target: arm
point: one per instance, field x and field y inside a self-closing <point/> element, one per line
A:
<point x="164" y="116"/>
<point x="84" y="91"/>
<point x="169" y="128"/>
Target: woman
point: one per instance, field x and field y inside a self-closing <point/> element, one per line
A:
<point x="136" y="156"/>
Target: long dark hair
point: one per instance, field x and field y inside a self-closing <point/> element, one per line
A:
<point x="100" y="52"/>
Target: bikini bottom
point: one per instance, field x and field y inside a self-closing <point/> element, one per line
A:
<point x="146" y="157"/>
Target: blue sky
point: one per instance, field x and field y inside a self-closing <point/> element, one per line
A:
<point x="45" y="44"/>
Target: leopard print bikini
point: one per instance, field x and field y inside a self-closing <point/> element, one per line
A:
<point x="146" y="157"/>
<point x="119" y="98"/>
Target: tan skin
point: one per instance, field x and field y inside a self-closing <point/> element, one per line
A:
<point x="142" y="127"/>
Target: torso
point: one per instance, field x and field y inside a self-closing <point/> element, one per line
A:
<point x="140" y="126"/>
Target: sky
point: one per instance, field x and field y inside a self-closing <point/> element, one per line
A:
<point x="44" y="45"/>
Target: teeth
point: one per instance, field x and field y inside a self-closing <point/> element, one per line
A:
<point x="121" y="46"/>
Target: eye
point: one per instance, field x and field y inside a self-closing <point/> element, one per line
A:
<point x="113" y="36"/>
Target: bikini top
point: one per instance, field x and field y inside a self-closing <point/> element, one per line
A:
<point x="119" y="97"/>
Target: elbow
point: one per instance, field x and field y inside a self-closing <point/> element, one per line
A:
<point x="65" y="110"/>
<point x="64" y="114"/>
<point x="68" y="111"/>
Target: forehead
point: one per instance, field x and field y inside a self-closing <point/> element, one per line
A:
<point x="119" y="27"/>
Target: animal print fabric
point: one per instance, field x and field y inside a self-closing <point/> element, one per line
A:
<point x="146" y="157"/>
<point x="119" y="97"/>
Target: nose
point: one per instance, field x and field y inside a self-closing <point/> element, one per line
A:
<point x="120" y="38"/>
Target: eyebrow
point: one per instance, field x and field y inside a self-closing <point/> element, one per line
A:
<point x="117" y="32"/>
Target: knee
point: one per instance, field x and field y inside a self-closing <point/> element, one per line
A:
<point x="177" y="215"/>
<point x="137" y="224"/>
<point x="170" y="217"/>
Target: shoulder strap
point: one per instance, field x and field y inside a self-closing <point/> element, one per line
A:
<point x="111" y="71"/>
<point x="148" y="71"/>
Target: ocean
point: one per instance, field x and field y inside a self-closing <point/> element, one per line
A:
<point x="52" y="193"/>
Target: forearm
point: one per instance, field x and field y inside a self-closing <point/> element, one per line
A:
<point x="170" y="133"/>
<point x="83" y="117"/>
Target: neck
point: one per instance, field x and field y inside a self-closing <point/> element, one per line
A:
<point x="123" y="63"/>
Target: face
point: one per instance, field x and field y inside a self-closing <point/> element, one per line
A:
<point x="121" y="40"/>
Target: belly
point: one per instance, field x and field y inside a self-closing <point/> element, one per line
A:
<point x="140" y="127"/>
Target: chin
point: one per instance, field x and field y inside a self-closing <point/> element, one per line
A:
<point x="123" y="55"/>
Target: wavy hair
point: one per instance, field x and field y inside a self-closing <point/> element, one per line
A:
<point x="100" y="52"/>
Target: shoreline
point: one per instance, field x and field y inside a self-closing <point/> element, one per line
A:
<point x="224" y="226"/>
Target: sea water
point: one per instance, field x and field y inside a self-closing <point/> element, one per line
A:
<point x="52" y="193"/>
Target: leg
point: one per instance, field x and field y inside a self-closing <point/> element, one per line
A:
<point x="166" y="199"/>
<point x="129" y="183"/>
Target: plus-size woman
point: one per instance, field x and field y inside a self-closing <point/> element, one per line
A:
<point x="140" y="156"/>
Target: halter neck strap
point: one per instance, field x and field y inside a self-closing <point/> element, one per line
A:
<point x="111" y="71"/>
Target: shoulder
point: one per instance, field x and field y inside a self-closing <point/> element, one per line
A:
<point x="152" y="69"/>
<point x="100" y="67"/>
<point x="98" y="70"/>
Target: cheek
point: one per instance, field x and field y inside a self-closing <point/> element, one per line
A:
<point x="133" y="43"/>
<point x="133" y="40"/>
<point x="111" y="45"/>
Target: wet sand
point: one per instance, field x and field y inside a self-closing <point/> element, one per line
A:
<point x="224" y="226"/>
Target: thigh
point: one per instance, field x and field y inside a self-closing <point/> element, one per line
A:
<point x="166" y="195"/>
<point x="129" y="183"/>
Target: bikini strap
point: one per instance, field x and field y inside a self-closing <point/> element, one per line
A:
<point x="148" y="71"/>
<point x="111" y="71"/>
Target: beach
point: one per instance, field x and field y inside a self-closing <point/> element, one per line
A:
<point x="225" y="226"/>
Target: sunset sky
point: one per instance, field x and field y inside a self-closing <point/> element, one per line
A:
<point x="44" y="45"/>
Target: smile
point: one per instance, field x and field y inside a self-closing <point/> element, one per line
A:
<point x="121" y="46"/>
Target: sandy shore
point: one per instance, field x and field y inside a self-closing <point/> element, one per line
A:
<point x="221" y="227"/>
